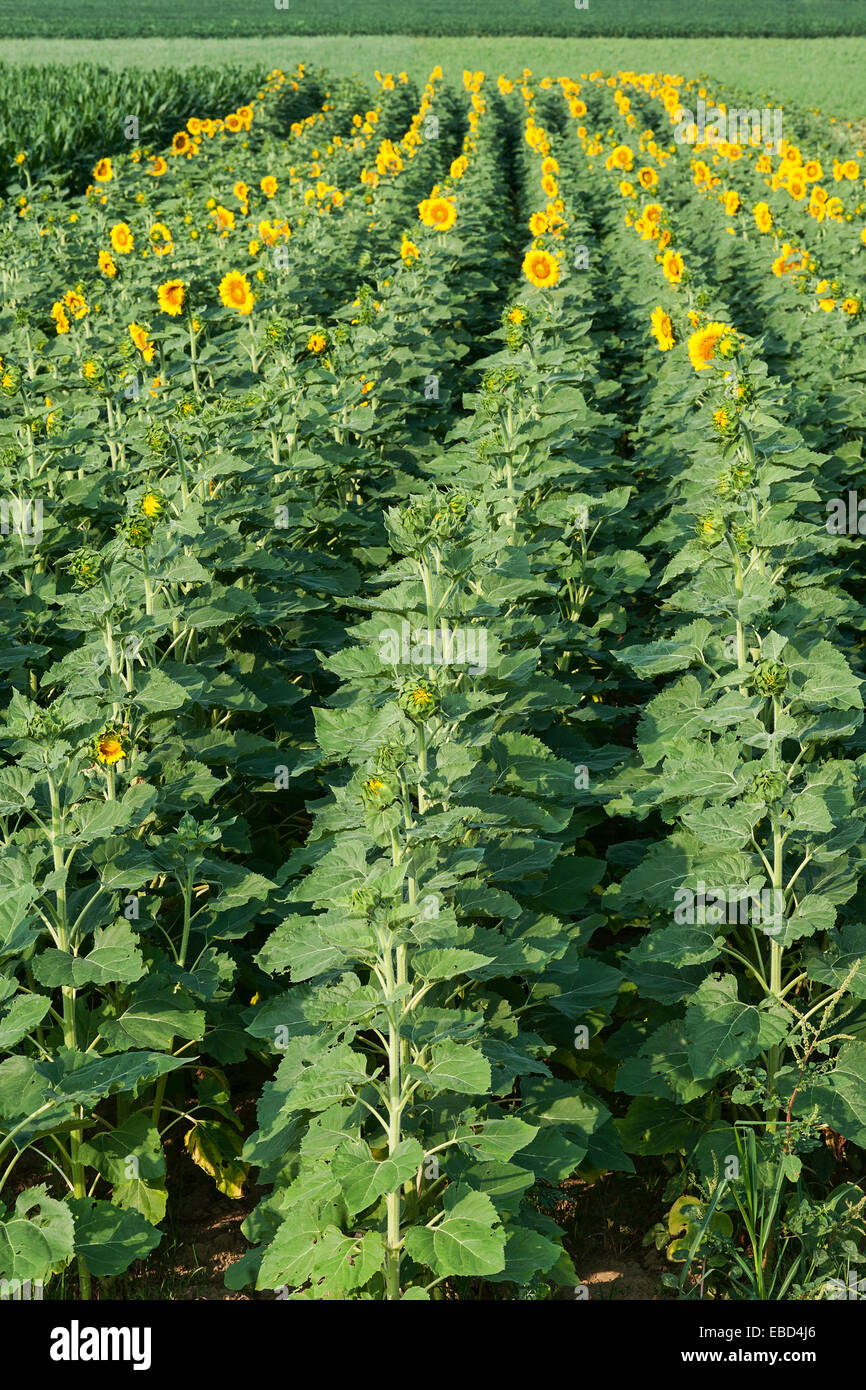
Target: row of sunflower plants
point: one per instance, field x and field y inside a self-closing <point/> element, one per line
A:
<point x="141" y="610"/>
<point x="748" y="976"/>
<point x="818" y="354"/>
<point x="412" y="1111"/>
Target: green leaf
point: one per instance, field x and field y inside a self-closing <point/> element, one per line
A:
<point x="132" y="1148"/>
<point x="109" y="1238"/>
<point x="721" y="1032"/>
<point x="654" y="1127"/>
<point x="15" y="921"/>
<point x="468" y="1241"/>
<point x="23" y="1015"/>
<point x="155" y="1015"/>
<point x="364" y="1180"/>
<point x="500" y="1139"/>
<point x="114" y="958"/>
<point x="77" y="1077"/>
<point x="447" y="963"/>
<point x="676" y="945"/>
<point x="527" y="1253"/>
<point x="36" y="1237"/>
<point x="456" y="1067"/>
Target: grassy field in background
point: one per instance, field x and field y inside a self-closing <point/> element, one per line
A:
<point x="828" y="73"/>
<point x="166" y="18"/>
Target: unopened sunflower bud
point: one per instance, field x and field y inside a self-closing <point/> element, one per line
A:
<point x="771" y="677"/>
<point x="710" y="529"/>
<point x="365" y="900"/>
<point x="137" y="532"/>
<point x="378" y="792"/>
<point x="419" y="699"/>
<point x="770" y="786"/>
<point x="85" y="566"/>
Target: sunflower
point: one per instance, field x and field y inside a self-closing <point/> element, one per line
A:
<point x="142" y="341"/>
<point x="408" y="251"/>
<point x="541" y="268"/>
<point x="419" y="700"/>
<point x="763" y="217"/>
<point x="673" y="266"/>
<point x="317" y="342"/>
<point x="171" y="295"/>
<point x="236" y="292"/>
<point x="152" y="504"/>
<point x="438" y="212"/>
<point x="181" y="144"/>
<point x="225" y="219"/>
<point x="851" y="305"/>
<point x="110" y="747"/>
<point x="158" y="167"/>
<point x="121" y="238"/>
<point x="647" y="178"/>
<point x="58" y="313"/>
<point x="549" y="185"/>
<point x="703" y="343"/>
<point x="622" y="158"/>
<point x="76" y="303"/>
<point x="102" y="171"/>
<point x="662" y="329"/>
<point x="106" y="264"/>
<point x="797" y="187"/>
<point x="161" y="239"/>
<point x="269" y="185"/>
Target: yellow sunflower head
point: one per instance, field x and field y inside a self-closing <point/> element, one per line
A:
<point x="171" y="296"/>
<point x="236" y="293"/>
<point x="541" y="269"/>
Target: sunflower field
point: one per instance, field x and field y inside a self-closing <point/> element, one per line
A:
<point x="432" y="669"/>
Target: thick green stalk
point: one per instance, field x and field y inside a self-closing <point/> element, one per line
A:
<point x="69" y="1022"/>
<point x="186" y="889"/>
<point x="394" y="1199"/>
<point x="776" y="950"/>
